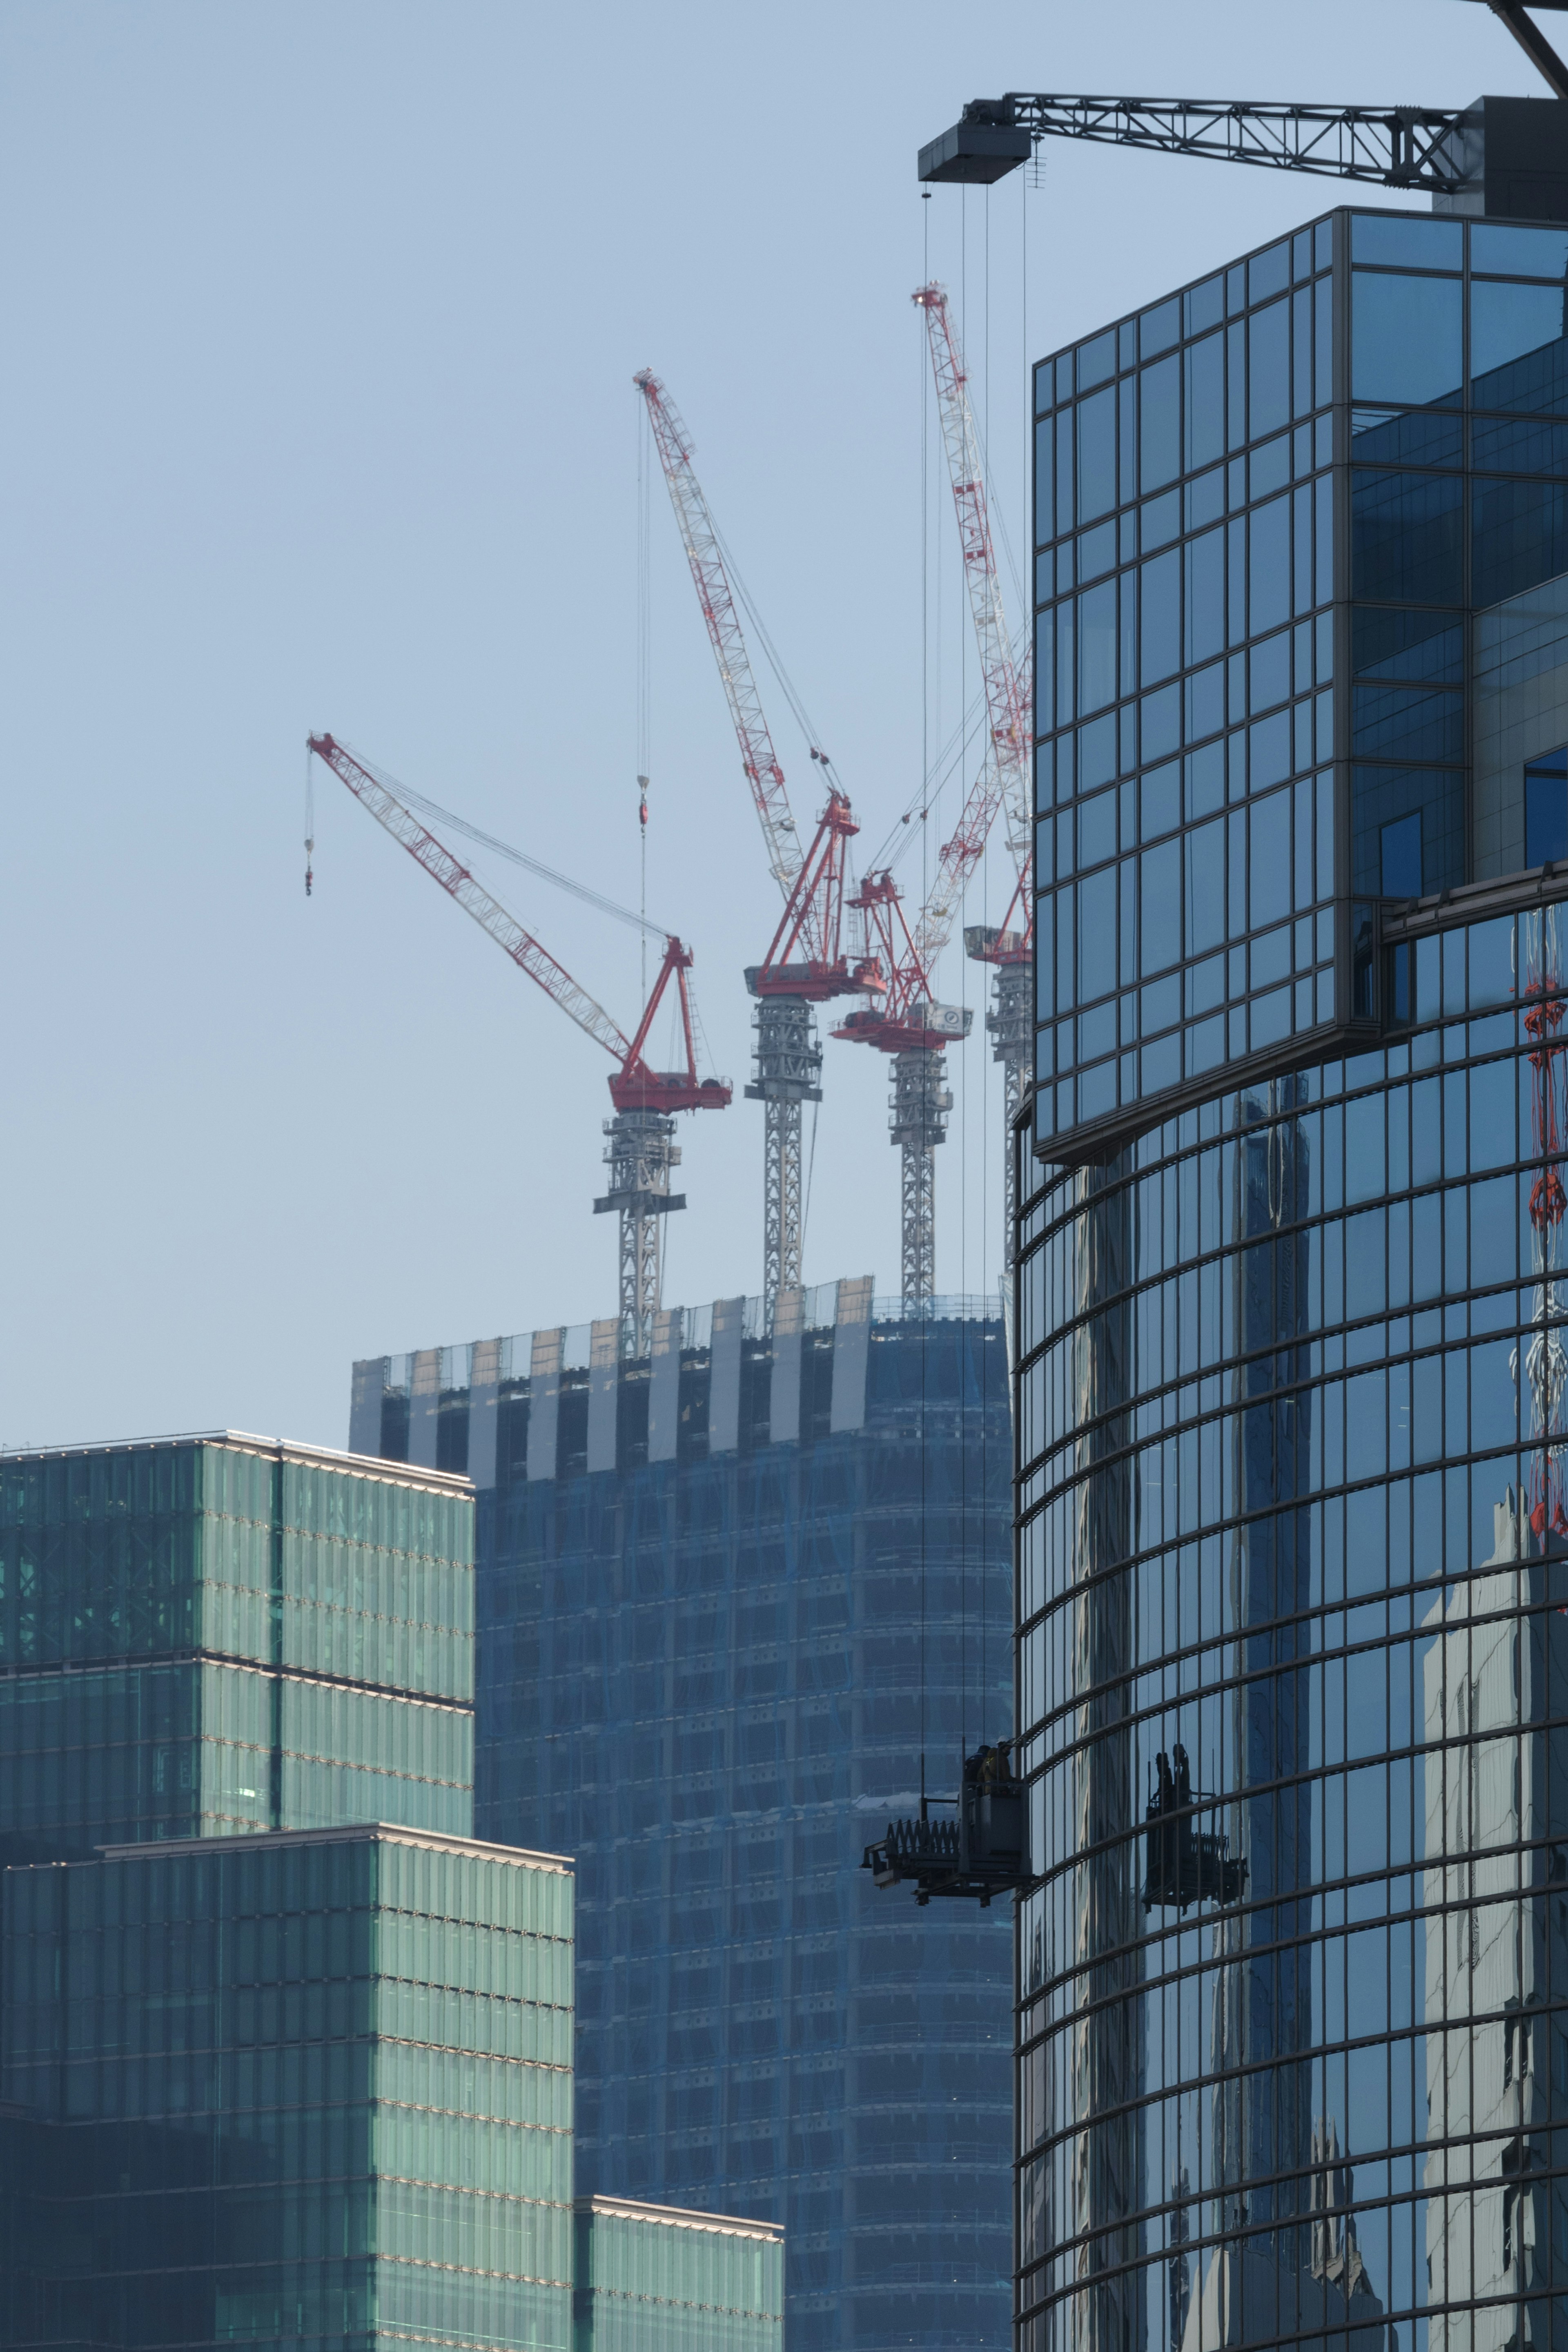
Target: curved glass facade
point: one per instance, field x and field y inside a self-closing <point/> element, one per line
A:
<point x="1293" y="1692"/>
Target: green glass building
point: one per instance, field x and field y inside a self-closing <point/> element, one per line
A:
<point x="286" y="2054"/>
<point x="211" y="1636"/>
<point x="651" y="2278"/>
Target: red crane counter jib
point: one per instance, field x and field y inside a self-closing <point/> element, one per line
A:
<point x="813" y="913"/>
<point x="635" y="1085"/>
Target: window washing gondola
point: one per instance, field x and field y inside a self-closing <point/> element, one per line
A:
<point x="982" y="1851"/>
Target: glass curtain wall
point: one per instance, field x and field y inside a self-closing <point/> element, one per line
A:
<point x="210" y="1637"/>
<point x="1268" y="512"/>
<point x="276" y="2090"/>
<point x="711" y="1681"/>
<point x="650" y="2279"/>
<point x="1294" y="1690"/>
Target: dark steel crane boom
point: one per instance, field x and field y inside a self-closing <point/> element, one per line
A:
<point x="1419" y="148"/>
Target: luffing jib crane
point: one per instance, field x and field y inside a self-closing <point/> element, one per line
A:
<point x="805" y="964"/>
<point x="1009" y="708"/>
<point x="642" y="1147"/>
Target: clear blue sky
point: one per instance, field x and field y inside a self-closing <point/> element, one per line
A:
<point x="319" y="327"/>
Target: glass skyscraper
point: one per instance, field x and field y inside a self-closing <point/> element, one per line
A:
<point x="286" y="2054"/>
<point x="727" y="1594"/>
<point x="1292" y="1576"/>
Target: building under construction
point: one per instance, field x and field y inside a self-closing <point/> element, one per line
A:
<point x="729" y="1593"/>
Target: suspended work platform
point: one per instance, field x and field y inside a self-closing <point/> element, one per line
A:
<point x="984" y="1851"/>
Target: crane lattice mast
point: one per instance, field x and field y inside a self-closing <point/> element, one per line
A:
<point x="804" y="966"/>
<point x="642" y="1148"/>
<point x="1006" y="778"/>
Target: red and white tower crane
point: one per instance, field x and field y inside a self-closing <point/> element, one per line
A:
<point x="805" y="964"/>
<point x="642" y="1149"/>
<point x="1009" y="700"/>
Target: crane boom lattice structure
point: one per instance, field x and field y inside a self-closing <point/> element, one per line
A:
<point x="642" y="1148"/>
<point x="1010" y="705"/>
<point x="805" y="964"/>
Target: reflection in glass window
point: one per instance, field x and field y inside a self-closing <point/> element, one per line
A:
<point x="1408" y="537"/>
<point x="1508" y="324"/>
<point x="1521" y="538"/>
<point x="1503" y="446"/>
<point x="1407" y="340"/>
<point x="1159" y="417"/>
<point x="1546" y="808"/>
<point x="1520" y="252"/>
<point x="1381" y="794"/>
<point x="1421" y="437"/>
<point x="1097" y="454"/>
<point x="1401" y="857"/>
<point x="1408" y="722"/>
<point x="1425" y="648"/>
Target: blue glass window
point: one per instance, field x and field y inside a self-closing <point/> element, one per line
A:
<point x="1159" y="420"/>
<point x="1097" y="935"/>
<point x="1406" y="341"/>
<point x="1268" y="559"/>
<point x="1205" y="702"/>
<point x="1205" y="597"/>
<point x="1160" y="327"/>
<point x="1268" y="370"/>
<point x="1160" y="890"/>
<point x="1518" y="358"/>
<point x="1096" y="361"/>
<point x="1408" y="537"/>
<point x="1401" y="875"/>
<point x="1520" y="252"/>
<point x="1406" y="241"/>
<point x="1162" y="722"/>
<point x="1204" y="862"/>
<point x="1066" y="662"/>
<point x="1097" y="552"/>
<point x="1097" y="829"/>
<point x="1205" y="402"/>
<point x="1205" y="305"/>
<point x="1066" y="469"/>
<point x="1097" y="454"/>
<point x="1269" y="860"/>
<point x="1546" y="809"/>
<point x="1160" y="594"/>
<point x="1270" y="680"/>
<point x="1044" y="485"/>
<point x="1097" y="648"/>
<point x="1161" y="793"/>
<point x="1044" y="673"/>
<point x="1269" y="273"/>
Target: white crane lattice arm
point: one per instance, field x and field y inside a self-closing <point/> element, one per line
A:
<point x="717" y="598"/>
<point x="964" y="850"/>
<point x="1009" y="703"/>
<point x="378" y="794"/>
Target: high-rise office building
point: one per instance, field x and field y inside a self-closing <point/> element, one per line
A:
<point x="1292" y="2060"/>
<point x="274" y="2069"/>
<point x="727" y="1596"/>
